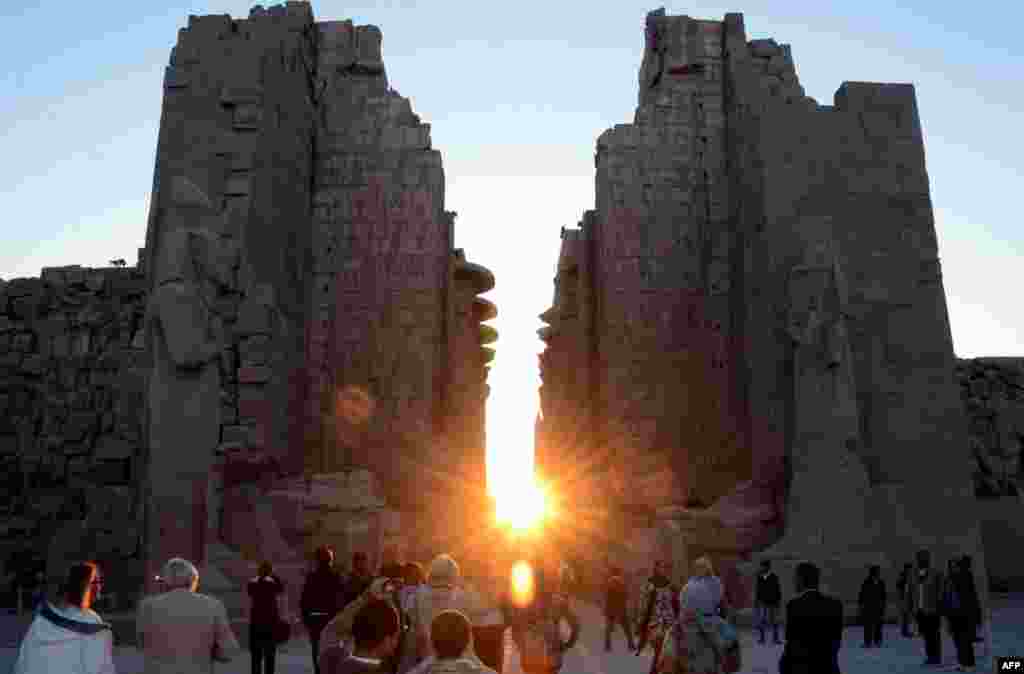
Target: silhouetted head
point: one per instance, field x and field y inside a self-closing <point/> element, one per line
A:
<point x="874" y="571"/>
<point x="702" y="567"/>
<point x="966" y="562"/>
<point x="265" y="568"/>
<point x="924" y="559"/>
<point x="808" y="576"/>
<point x="376" y="628"/>
<point x="81" y="584"/>
<point x="450" y="634"/>
<point x="444" y="571"/>
<point x="766" y="565"/>
<point x="412" y="574"/>
<point x="179" y="574"/>
<point x="324" y="556"/>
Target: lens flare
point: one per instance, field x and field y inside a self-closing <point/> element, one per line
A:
<point x="522" y="584"/>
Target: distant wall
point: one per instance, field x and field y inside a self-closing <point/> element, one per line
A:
<point x="1002" y="532"/>
<point x="993" y="393"/>
<point x="72" y="381"/>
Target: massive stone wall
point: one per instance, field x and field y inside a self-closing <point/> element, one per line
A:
<point x="301" y="292"/>
<point x="382" y="245"/>
<point x="72" y="385"/>
<point x="771" y="327"/>
<point x="661" y="276"/>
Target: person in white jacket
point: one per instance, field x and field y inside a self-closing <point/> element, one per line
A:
<point x="67" y="636"/>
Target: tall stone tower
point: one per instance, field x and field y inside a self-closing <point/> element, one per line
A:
<point x="345" y="325"/>
<point x="765" y="326"/>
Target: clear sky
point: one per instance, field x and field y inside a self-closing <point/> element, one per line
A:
<point x="517" y="94"/>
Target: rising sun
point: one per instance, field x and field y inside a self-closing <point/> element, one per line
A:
<point x="522" y="506"/>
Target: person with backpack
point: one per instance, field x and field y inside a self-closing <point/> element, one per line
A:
<point x="616" y="599"/>
<point x="660" y="612"/>
<point x="535" y="618"/>
<point x="710" y="638"/>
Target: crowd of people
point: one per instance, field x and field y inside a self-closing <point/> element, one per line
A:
<point x="404" y="620"/>
<point x="690" y="629"/>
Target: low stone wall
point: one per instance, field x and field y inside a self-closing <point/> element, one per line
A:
<point x="72" y="401"/>
<point x="993" y="393"/>
<point x="1002" y="532"/>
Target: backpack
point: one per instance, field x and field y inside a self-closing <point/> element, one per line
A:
<point x="664" y="612"/>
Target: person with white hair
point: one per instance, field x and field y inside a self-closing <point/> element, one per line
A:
<point x="182" y="630"/>
<point x="444" y="591"/>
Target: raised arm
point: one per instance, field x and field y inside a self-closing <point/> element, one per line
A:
<point x="649" y="608"/>
<point x="574" y="625"/>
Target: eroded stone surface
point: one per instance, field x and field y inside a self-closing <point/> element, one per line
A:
<point x="344" y="337"/>
<point x="732" y="373"/>
<point x="72" y="393"/>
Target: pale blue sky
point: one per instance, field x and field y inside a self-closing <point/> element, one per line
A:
<point x="517" y="93"/>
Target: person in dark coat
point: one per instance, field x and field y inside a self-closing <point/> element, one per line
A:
<point x="359" y="580"/>
<point x="767" y="599"/>
<point x="265" y="591"/>
<point x="321" y="599"/>
<point x="979" y="618"/>
<point x="962" y="610"/>
<point x="903" y="588"/>
<point x="616" y="598"/>
<point x="926" y="588"/>
<point x="390" y="567"/>
<point x="814" y="627"/>
<point x="872" y="602"/>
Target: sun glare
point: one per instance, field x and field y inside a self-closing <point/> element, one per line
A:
<point x="523" y="505"/>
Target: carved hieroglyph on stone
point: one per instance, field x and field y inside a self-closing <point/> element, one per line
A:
<point x="185" y="340"/>
<point x="825" y="466"/>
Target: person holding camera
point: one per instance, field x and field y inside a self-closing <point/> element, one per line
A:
<point x="338" y="634"/>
